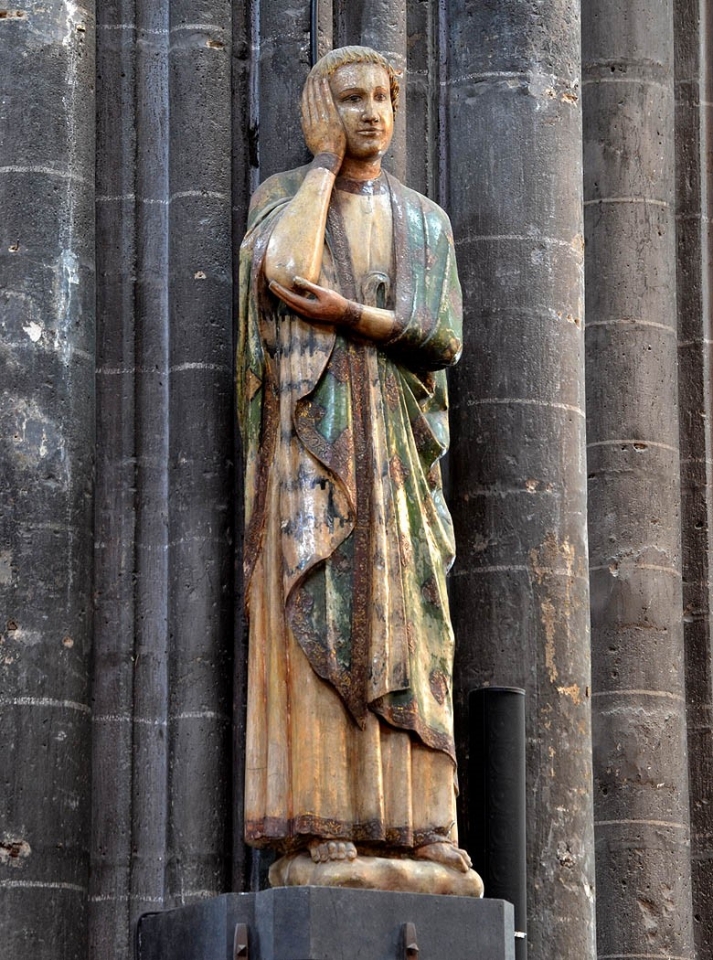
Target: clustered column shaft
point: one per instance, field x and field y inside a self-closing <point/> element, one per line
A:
<point x="639" y="710"/>
<point x="200" y="431"/>
<point x="519" y="591"/>
<point x="47" y="317"/>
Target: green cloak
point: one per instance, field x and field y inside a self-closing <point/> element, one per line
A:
<point x="352" y="433"/>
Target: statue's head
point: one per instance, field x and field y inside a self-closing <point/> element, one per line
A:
<point x="345" y="56"/>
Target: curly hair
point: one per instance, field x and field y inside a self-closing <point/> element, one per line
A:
<point x="342" y="56"/>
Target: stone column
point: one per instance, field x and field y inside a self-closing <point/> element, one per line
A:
<point x="280" y="40"/>
<point x="130" y="693"/>
<point x="47" y="317"/>
<point x="421" y="91"/>
<point x="519" y="589"/>
<point x="639" y="711"/>
<point x="271" y="60"/>
<point x="200" y="450"/>
<point x="115" y="513"/>
<point x="150" y="661"/>
<point x="693" y="70"/>
<point x="241" y="153"/>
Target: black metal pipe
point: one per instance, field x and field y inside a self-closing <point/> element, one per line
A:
<point x="313" y="33"/>
<point x="496" y="801"/>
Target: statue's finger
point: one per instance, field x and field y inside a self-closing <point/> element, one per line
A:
<point x="281" y="291"/>
<point x="305" y="111"/>
<point x="307" y="108"/>
<point x="324" y="101"/>
<point x="307" y="285"/>
<point x="287" y="296"/>
<point x="326" y="92"/>
<point x="314" y="110"/>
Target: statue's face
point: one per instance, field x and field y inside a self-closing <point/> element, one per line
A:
<point x="363" y="98"/>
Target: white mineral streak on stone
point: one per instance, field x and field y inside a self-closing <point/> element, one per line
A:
<point x="28" y="638"/>
<point x="68" y="311"/>
<point x="67" y="281"/>
<point x="33" y="331"/>
<point x="542" y="88"/>
<point x="75" y="22"/>
<point x="39" y="440"/>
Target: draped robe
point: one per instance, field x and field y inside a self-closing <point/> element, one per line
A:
<point x="348" y="540"/>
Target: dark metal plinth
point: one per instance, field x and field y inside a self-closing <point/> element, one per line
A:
<point x="330" y="923"/>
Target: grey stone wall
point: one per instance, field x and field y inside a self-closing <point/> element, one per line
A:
<point x="127" y="157"/>
<point x="47" y="405"/>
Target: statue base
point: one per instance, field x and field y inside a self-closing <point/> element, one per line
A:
<point x="375" y="873"/>
<point x="322" y="923"/>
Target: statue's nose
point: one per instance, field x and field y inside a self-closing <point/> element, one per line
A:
<point x="370" y="111"/>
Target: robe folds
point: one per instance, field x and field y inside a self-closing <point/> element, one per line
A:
<point x="348" y="541"/>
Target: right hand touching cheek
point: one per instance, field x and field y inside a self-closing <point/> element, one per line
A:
<point x="322" y="126"/>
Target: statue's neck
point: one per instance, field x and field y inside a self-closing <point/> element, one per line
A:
<point x="353" y="169"/>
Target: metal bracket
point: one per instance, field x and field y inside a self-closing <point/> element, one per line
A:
<point x="240" y="943"/>
<point x="410" y="942"/>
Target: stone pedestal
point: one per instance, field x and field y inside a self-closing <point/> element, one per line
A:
<point x="325" y="923"/>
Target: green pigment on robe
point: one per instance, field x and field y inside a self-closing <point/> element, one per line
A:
<point x="355" y="432"/>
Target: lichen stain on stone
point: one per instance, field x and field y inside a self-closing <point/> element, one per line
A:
<point x="573" y="691"/>
<point x="548" y="617"/>
<point x="5" y="567"/>
<point x="565" y="856"/>
<point x="650" y="916"/>
<point x="555" y="558"/>
<point x="28" y="638"/>
<point x="13" y="851"/>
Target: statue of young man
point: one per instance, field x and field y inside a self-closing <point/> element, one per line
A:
<point x="350" y="311"/>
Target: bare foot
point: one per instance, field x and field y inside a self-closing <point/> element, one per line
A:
<point x="446" y="853"/>
<point x="322" y="851"/>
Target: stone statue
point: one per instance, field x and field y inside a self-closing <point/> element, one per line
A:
<point x="350" y="309"/>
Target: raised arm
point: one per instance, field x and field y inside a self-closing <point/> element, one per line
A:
<point x="297" y="242"/>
